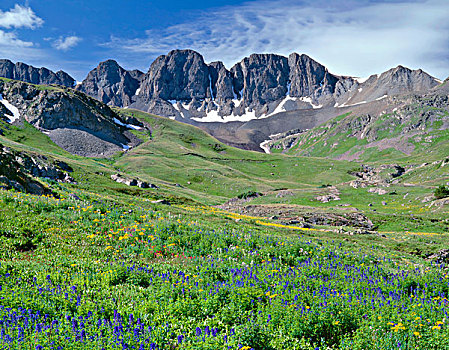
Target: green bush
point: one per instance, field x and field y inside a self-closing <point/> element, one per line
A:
<point x="441" y="192"/>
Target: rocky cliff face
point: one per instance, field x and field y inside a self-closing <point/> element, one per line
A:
<point x="261" y="78"/>
<point x="30" y="74"/>
<point x="73" y="120"/>
<point x="180" y="75"/>
<point x="180" y="85"/>
<point x="111" y="84"/>
<point x="265" y="93"/>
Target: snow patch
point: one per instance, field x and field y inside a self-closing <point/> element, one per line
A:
<point x="309" y="100"/>
<point x="137" y="92"/>
<point x="175" y="106"/>
<point x="236" y="102"/>
<point x="381" y="98"/>
<point x="129" y="126"/>
<point x="264" y="146"/>
<point x="13" y="109"/>
<point x="125" y="147"/>
<point x="359" y="89"/>
<point x="289" y="85"/>
<point x="354" y="104"/>
<point x="213" y="117"/>
<point x="280" y="107"/>
<point x="234" y="94"/>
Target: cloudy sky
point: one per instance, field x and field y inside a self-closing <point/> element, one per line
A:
<point x="350" y="37"/>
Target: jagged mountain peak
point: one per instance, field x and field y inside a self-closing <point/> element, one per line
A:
<point x="262" y="86"/>
<point x="111" y="84"/>
<point x="29" y="74"/>
<point x="179" y="75"/>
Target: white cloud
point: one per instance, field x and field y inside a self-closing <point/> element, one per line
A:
<point x="11" y="40"/>
<point x="13" y="48"/>
<point x="66" y="43"/>
<point x="349" y="37"/>
<point x="20" y="17"/>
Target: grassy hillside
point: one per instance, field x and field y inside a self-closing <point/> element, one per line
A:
<point x="416" y="132"/>
<point x="180" y="153"/>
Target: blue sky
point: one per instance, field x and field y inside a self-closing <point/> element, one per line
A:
<point x="350" y="37"/>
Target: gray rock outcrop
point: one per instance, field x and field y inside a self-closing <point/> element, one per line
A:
<point x="18" y="170"/>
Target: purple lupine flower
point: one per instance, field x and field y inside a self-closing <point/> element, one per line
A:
<point x="136" y="333"/>
<point x="180" y="339"/>
<point x="198" y="331"/>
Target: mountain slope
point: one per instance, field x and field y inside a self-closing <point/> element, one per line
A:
<point x="74" y="121"/>
<point x="413" y="125"/>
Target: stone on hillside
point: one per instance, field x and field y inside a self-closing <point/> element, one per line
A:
<point x="440" y="202"/>
<point x="132" y="182"/>
<point x="328" y="198"/>
<point x="378" y="190"/>
<point x="442" y="257"/>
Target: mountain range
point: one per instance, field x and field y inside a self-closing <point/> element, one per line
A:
<point x="244" y="106"/>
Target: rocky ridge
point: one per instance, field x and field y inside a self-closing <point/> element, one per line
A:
<point x="261" y="95"/>
<point x="181" y="85"/>
<point x="29" y="74"/>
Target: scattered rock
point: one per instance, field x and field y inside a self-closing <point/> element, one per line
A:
<point x="442" y="257"/>
<point x="357" y="184"/>
<point x="378" y="190"/>
<point x="161" y="201"/>
<point x="440" y="202"/>
<point x="428" y="199"/>
<point x="18" y="170"/>
<point x="132" y="182"/>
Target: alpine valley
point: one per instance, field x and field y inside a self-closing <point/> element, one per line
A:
<point x="271" y="205"/>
